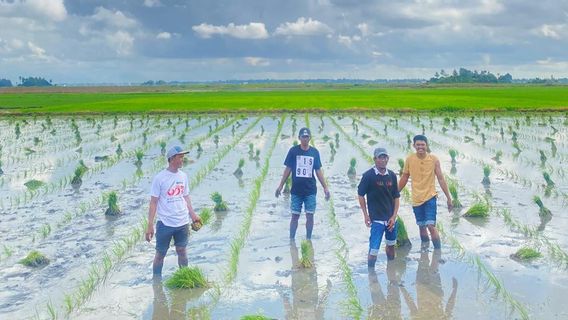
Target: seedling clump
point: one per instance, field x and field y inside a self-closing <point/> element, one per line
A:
<point x="402" y="236"/>
<point x="34" y="184"/>
<point x="351" y="172"/>
<point x="454" y="193"/>
<point x="526" y="254"/>
<point x="220" y="205"/>
<point x="35" y="259"/>
<point x="453" y="155"/>
<point x="486" y="173"/>
<point x="113" y="208"/>
<point x="544" y="212"/>
<point x="239" y="172"/>
<point x="478" y="210"/>
<point x="307" y="254"/>
<point x="187" y="278"/>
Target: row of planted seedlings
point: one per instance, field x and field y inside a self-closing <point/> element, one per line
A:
<point x="472" y="258"/>
<point x="81" y="172"/>
<point x="493" y="164"/>
<point x="219" y="289"/>
<point x="87" y="205"/>
<point x="535" y="155"/>
<point x="98" y="274"/>
<point x="482" y="209"/>
<point x="350" y="307"/>
<point x="35" y="187"/>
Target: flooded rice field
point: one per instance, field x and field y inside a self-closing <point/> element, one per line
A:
<point x="100" y="267"/>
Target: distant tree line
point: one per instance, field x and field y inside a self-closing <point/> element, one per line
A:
<point x="27" y="82"/>
<point x="468" y="76"/>
<point x="154" y="83"/>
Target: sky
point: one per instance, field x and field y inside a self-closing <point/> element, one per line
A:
<point x="128" y="41"/>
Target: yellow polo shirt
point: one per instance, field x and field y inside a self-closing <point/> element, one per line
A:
<point x="421" y="177"/>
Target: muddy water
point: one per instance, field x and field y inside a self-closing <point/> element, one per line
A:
<point x="418" y="284"/>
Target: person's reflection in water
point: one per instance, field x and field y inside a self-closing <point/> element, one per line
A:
<point x="162" y="309"/>
<point x="306" y="301"/>
<point x="388" y="307"/>
<point x="429" y="293"/>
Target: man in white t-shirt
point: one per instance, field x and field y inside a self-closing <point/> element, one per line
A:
<point x="169" y="199"/>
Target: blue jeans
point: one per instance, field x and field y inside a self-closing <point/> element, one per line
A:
<point x="308" y="201"/>
<point x="164" y="235"/>
<point x="377" y="231"/>
<point x="425" y="213"/>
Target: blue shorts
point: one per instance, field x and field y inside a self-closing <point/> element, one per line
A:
<point x="377" y="231"/>
<point x="164" y="235"/>
<point x="308" y="201"/>
<point x="425" y="213"/>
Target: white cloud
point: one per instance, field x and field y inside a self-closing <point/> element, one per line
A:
<point x="253" y="30"/>
<point x="50" y="9"/>
<point x="37" y="52"/>
<point x="347" y="40"/>
<point x="303" y="27"/>
<point x="551" y="31"/>
<point x="113" y="18"/>
<point x="121" y="41"/>
<point x="164" y="35"/>
<point x="152" y="3"/>
<point x="364" y="29"/>
<point x="257" y="62"/>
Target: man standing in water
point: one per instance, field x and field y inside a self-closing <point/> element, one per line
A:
<point x="302" y="160"/>
<point x="381" y="207"/>
<point x="169" y="199"/>
<point x="421" y="167"/>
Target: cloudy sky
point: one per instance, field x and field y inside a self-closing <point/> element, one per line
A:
<point x="118" y="41"/>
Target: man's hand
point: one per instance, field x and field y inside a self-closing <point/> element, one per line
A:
<point x="327" y="194"/>
<point x="278" y="192"/>
<point x="197" y="218"/>
<point x="450" y="205"/>
<point x="391" y="223"/>
<point x="367" y="221"/>
<point x="149" y="232"/>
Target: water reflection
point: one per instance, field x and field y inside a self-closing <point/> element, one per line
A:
<point x="307" y="303"/>
<point x="176" y="308"/>
<point x="429" y="292"/>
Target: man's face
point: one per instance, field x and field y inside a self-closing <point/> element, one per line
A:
<point x="420" y="146"/>
<point x="304" y="140"/>
<point x="177" y="161"/>
<point x="381" y="161"/>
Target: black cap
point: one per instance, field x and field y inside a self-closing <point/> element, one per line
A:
<point x="304" y="132"/>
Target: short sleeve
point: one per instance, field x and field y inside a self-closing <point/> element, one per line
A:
<point x="317" y="161"/>
<point x="290" y="160"/>
<point x="155" y="189"/>
<point x="186" y="188"/>
<point x="363" y="186"/>
<point x="395" y="193"/>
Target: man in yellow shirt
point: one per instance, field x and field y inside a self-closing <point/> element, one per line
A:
<point x="421" y="167"/>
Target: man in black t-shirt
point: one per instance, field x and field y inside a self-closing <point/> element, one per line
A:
<point x="302" y="161"/>
<point x="381" y="206"/>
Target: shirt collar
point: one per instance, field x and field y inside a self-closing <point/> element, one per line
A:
<point x="377" y="172"/>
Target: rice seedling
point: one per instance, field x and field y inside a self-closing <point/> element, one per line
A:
<point x="77" y="178"/>
<point x="453" y="154"/>
<point x="51" y="310"/>
<point x="549" y="182"/>
<point x="119" y="150"/>
<point x="372" y="142"/>
<point x="336" y="140"/>
<point x="28" y="151"/>
<point x="113" y="208"/>
<point x="199" y="148"/>
<point x="139" y="156"/>
<point x="18" y="131"/>
<point x="543" y="158"/>
<point x="220" y="205"/>
<point x="332" y="148"/>
<point x="452" y="186"/>
<point x="400" y="165"/>
<point x="486" y="172"/>
<point x="257" y="155"/>
<point x="205" y="214"/>
<point x="307" y="253"/>
<point x="45" y="230"/>
<point x="187" y="278"/>
<point x="526" y="254"/>
<point x="216" y="140"/>
<point x="163" y="147"/>
<point x="479" y="209"/>
<point x="35" y="259"/>
<point x="239" y="172"/>
<point x="483" y="139"/>
<point x="543" y="212"/>
<point x="1" y="171"/>
<point x="351" y="172"/>
<point x="261" y="130"/>
<point x="467" y="139"/>
<point x="402" y="239"/>
<point x="33" y="184"/>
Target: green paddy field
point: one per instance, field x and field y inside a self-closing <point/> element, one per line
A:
<point x="266" y="98"/>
